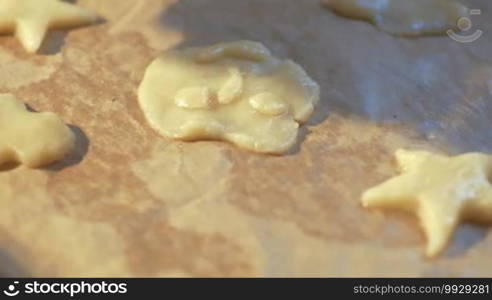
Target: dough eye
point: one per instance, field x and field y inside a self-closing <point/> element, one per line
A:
<point x="268" y="104"/>
<point x="194" y="97"/>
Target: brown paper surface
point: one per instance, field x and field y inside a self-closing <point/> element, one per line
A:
<point x="129" y="202"/>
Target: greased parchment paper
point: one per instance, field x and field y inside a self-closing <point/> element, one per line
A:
<point x="131" y="203"/>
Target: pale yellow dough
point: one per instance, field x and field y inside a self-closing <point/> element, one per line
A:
<point x="236" y="92"/>
<point x="31" y="19"/>
<point x="440" y="190"/>
<point x="403" y="17"/>
<point x="33" y="139"/>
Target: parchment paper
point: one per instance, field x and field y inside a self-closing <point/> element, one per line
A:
<point x="129" y="202"/>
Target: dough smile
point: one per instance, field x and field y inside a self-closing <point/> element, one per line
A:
<point x="440" y="190"/>
<point x="31" y="19"/>
<point x="236" y="92"/>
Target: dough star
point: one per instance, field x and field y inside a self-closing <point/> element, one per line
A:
<point x="31" y="19"/>
<point x="33" y="139"/>
<point x="440" y="190"/>
<point x="403" y="17"/>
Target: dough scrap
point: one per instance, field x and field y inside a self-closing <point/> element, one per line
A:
<point x="440" y="190"/>
<point x="404" y="17"/>
<point x="236" y="92"/>
<point x="33" y="139"/>
<point x="31" y="19"/>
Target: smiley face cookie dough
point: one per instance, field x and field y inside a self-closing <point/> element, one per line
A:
<point x="31" y="19"/>
<point x="33" y="139"/>
<point x="440" y="190"/>
<point x="236" y="92"/>
<point x="403" y="17"/>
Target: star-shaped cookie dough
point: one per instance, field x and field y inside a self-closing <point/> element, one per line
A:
<point x="440" y="190"/>
<point x="31" y="19"/>
<point x="33" y="139"/>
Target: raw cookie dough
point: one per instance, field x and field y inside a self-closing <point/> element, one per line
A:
<point x="237" y="92"/>
<point x="34" y="139"/>
<point x="440" y="190"/>
<point x="403" y="17"/>
<point x="30" y="19"/>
